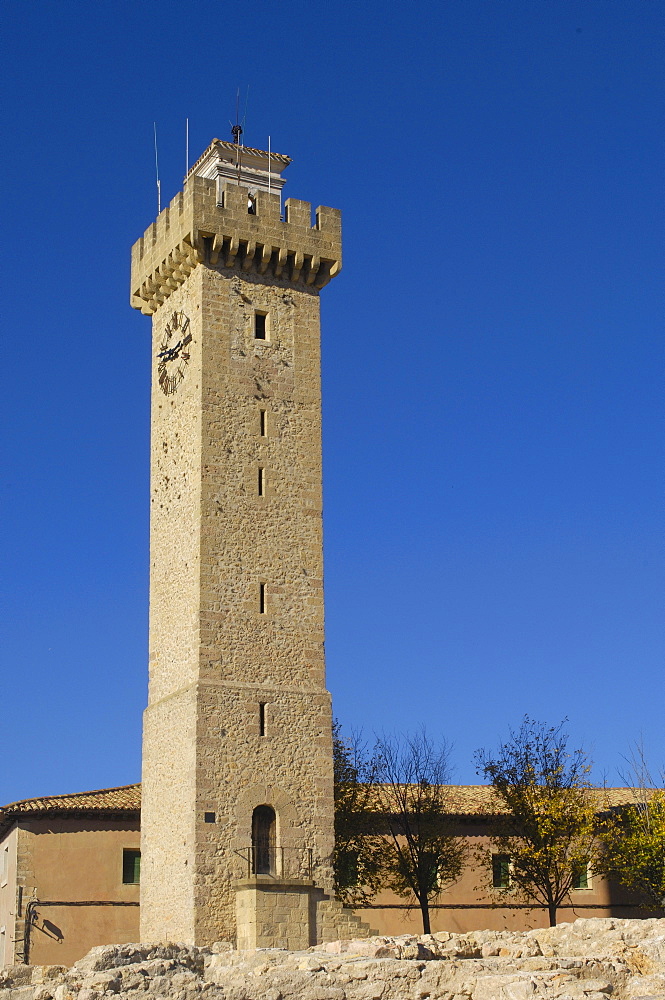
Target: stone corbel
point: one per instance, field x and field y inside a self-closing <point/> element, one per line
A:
<point x="197" y="247"/>
<point x="232" y="252"/>
<point x="282" y="257"/>
<point x="313" y="269"/>
<point x="248" y="258"/>
<point x="266" y="254"/>
<point x="161" y="290"/>
<point x="216" y="249"/>
<point x="186" y="263"/>
<point x="298" y="261"/>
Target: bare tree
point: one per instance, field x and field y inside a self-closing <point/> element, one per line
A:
<point x="634" y="834"/>
<point x="420" y="855"/>
<point x="356" y="858"/>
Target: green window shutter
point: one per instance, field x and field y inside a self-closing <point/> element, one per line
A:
<point x="580" y="879"/>
<point x="131" y="867"/>
<point x="500" y="871"/>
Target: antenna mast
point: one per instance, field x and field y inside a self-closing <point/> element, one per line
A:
<point x="238" y="129"/>
<point x="236" y="132"/>
<point x="159" y="189"/>
<point x="186" y="146"/>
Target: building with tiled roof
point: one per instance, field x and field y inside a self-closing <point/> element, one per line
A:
<point x="121" y="801"/>
<point x="71" y="868"/>
<point x="69" y="874"/>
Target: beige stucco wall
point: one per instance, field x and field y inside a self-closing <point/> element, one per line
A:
<point x="471" y="904"/>
<point x="76" y="860"/>
<point x="81" y="860"/>
<point x="8" y="896"/>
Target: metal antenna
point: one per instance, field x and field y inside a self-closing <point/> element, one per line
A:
<point x="268" y="166"/>
<point x="236" y="130"/>
<point x="186" y="146"/>
<point x="159" y="188"/>
<point x="244" y="117"/>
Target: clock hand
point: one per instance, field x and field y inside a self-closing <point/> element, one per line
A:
<point x="169" y="353"/>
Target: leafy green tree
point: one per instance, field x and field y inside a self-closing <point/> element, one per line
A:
<point x="547" y="821"/>
<point x="419" y="856"/>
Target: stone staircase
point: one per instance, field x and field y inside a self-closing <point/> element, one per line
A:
<point x="336" y="922"/>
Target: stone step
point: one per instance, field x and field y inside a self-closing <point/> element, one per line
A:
<point x="336" y="922"/>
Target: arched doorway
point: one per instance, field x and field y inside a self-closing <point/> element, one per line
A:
<point x="264" y="824"/>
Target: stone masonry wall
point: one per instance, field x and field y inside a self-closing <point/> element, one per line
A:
<point x="169" y="733"/>
<point x="586" y="960"/>
<point x="215" y="656"/>
<point x="246" y="656"/>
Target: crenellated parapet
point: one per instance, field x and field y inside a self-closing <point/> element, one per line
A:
<point x="224" y="224"/>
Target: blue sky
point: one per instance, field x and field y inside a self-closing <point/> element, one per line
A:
<point x="492" y="358"/>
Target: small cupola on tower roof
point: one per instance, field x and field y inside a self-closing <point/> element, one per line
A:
<point x="255" y="169"/>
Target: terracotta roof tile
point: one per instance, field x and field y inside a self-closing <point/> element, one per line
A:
<point x="126" y="798"/>
<point x="462" y="800"/>
<point x="481" y="800"/>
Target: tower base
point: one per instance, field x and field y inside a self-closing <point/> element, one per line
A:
<point x="291" y="913"/>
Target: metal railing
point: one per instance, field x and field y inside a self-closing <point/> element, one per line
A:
<point x="277" y="862"/>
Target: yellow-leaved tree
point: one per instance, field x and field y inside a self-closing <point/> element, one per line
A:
<point x="634" y="835"/>
<point x="546" y="825"/>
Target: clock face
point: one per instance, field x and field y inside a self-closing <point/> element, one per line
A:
<point x="173" y="355"/>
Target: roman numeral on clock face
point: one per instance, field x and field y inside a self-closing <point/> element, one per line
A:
<point x="172" y="361"/>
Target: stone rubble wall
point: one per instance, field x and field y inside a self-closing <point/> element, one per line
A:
<point x="590" y="959"/>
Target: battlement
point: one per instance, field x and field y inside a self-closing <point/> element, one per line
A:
<point x="219" y="223"/>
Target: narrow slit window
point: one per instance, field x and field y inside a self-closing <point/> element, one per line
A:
<point x="262" y="598"/>
<point x="262" y="718"/>
<point x="262" y="482"/>
<point x="260" y="326"/>
<point x="263" y="423"/>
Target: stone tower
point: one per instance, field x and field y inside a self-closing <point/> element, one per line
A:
<point x="237" y="801"/>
